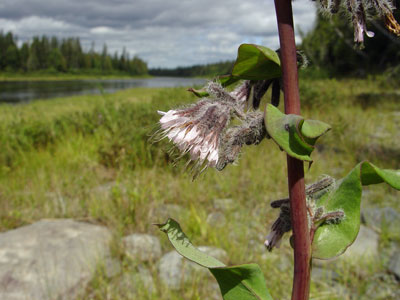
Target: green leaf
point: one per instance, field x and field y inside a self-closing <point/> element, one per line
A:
<point x="244" y="282"/>
<point x="314" y="128"/>
<point x="255" y="62"/>
<point x="292" y="133"/>
<point x="227" y="80"/>
<point x="248" y="281"/>
<point x="185" y="248"/>
<point x="224" y="80"/>
<point x="199" y="92"/>
<point x="331" y="240"/>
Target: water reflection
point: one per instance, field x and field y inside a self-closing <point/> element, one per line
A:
<point x="25" y="91"/>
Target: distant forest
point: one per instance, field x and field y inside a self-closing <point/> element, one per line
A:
<point x="329" y="47"/>
<point x="63" y="55"/>
<point x="208" y="70"/>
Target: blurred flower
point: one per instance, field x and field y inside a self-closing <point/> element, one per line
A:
<point x="359" y="11"/>
<point x="358" y="17"/>
<point x="391" y="24"/>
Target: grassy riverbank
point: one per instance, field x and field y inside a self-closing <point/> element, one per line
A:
<point x="54" y="76"/>
<point x="88" y="158"/>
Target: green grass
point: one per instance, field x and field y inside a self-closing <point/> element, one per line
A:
<point x="89" y="158"/>
<point x="54" y="76"/>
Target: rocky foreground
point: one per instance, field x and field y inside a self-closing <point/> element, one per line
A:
<point x="57" y="258"/>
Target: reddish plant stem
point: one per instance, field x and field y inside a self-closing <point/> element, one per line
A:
<point x="301" y="235"/>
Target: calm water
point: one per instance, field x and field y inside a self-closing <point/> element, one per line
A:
<point x="25" y="91"/>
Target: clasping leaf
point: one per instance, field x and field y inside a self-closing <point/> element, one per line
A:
<point x="243" y="282"/>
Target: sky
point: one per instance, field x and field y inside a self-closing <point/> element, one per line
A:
<point x="164" y="33"/>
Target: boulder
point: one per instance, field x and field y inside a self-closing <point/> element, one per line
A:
<point x="50" y="259"/>
<point x="381" y="286"/>
<point x="162" y="212"/>
<point x="324" y="275"/>
<point x="216" y="219"/>
<point x="135" y="284"/>
<point x="174" y="270"/>
<point x="385" y="218"/>
<point x="365" y="245"/>
<point x="394" y="264"/>
<point x="142" y="247"/>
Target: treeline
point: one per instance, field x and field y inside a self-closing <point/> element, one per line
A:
<point x="208" y="70"/>
<point x="63" y="55"/>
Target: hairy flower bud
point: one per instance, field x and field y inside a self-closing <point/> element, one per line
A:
<point x="282" y="225"/>
<point x="316" y="214"/>
<point x="391" y="24"/>
<point x="250" y="132"/>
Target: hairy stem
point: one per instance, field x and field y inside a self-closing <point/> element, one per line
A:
<point x="301" y="235"/>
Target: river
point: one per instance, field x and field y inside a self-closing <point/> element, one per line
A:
<point x="26" y="91"/>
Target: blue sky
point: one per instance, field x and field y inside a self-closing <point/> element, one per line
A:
<point x="165" y="33"/>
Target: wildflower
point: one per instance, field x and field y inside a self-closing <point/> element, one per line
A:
<point x="282" y="225"/>
<point x="358" y="17"/>
<point x="250" y="132"/>
<point x="199" y="128"/>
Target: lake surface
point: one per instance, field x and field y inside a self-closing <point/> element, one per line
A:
<point x="25" y="91"/>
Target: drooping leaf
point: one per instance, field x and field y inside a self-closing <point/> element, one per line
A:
<point x="314" y="128"/>
<point x="255" y="62"/>
<point x="248" y="281"/>
<point x="245" y="282"/>
<point x="292" y="133"/>
<point x="332" y="239"/>
<point x="185" y="248"/>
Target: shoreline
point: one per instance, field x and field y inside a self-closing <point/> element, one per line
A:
<point x="5" y="77"/>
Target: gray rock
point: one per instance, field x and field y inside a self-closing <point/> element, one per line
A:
<point x="385" y="218"/>
<point x="394" y="264"/>
<point x="323" y="275"/>
<point x="174" y="270"/>
<point x="112" y="267"/>
<point x="387" y="252"/>
<point x="223" y="204"/>
<point x="135" y="283"/>
<point x="382" y="287"/>
<point x="161" y="213"/>
<point x="50" y="259"/>
<point x="365" y="246"/>
<point x="142" y="247"/>
<point x="216" y="219"/>
<point x="170" y="270"/>
<point x="215" y="252"/>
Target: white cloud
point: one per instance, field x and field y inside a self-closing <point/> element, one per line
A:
<point x="164" y="33"/>
<point x="34" y="25"/>
<point x="102" y="30"/>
